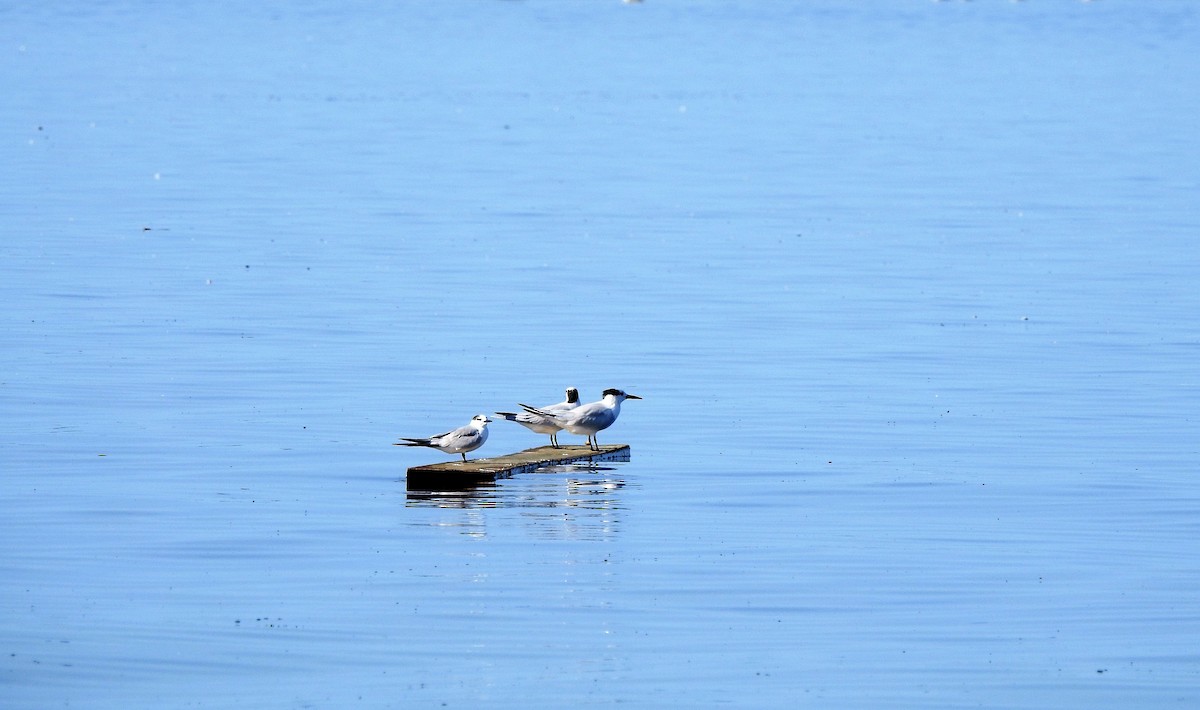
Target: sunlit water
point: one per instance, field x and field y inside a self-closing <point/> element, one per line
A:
<point x="909" y="289"/>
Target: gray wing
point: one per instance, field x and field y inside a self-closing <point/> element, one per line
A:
<point x="461" y="434"/>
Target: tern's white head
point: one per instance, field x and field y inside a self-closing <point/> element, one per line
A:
<point x="479" y="421"/>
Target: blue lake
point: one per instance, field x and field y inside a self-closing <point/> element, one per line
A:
<point x="909" y="290"/>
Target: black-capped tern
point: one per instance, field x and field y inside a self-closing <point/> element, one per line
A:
<point x="540" y="423"/>
<point x="587" y="419"/>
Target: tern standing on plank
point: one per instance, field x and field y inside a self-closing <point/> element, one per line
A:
<point x="540" y="423"/>
<point x="460" y="441"/>
<point x="587" y="419"/>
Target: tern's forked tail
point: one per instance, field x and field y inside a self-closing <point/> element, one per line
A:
<point x="535" y="410"/>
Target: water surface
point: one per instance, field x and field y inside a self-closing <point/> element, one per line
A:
<point x="908" y="289"/>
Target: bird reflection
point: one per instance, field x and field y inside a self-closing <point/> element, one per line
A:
<point x="581" y="501"/>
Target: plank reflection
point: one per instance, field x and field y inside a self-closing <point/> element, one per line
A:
<point x="562" y="502"/>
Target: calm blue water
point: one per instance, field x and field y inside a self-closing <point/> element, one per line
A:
<point x="909" y="289"/>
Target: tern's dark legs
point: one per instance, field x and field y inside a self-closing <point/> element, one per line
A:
<point x="463" y="455"/>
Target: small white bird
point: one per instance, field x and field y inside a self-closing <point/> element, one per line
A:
<point x="587" y="419"/>
<point x="460" y="441"/>
<point x="540" y="423"/>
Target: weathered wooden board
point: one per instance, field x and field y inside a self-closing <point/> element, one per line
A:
<point x="451" y="475"/>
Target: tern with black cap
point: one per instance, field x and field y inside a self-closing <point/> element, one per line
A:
<point x="540" y="423"/>
<point x="588" y="419"/>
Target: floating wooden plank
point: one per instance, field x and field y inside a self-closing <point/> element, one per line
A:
<point x="454" y="475"/>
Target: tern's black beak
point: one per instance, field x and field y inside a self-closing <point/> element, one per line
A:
<point x="631" y="396"/>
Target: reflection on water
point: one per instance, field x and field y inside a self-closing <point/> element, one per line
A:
<point x="570" y="502"/>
